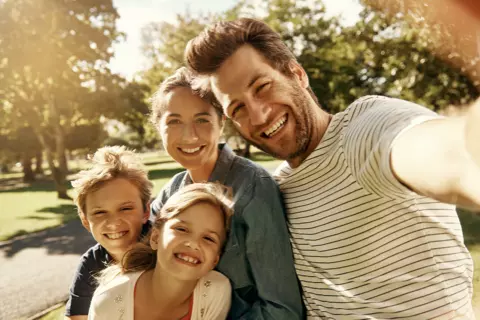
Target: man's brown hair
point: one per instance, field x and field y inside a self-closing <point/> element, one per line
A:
<point x="206" y="52"/>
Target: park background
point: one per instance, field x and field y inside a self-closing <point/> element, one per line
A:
<point x="77" y="75"/>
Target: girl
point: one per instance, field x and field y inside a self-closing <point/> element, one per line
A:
<point x="169" y="275"/>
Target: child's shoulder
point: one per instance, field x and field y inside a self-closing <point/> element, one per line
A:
<point x="114" y="282"/>
<point x="214" y="282"/>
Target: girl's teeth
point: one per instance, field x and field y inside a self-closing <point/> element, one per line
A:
<point x="187" y="258"/>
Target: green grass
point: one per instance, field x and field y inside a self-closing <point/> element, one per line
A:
<point x="26" y="208"/>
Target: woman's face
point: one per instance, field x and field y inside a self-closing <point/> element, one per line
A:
<point x="190" y="129"/>
<point x="188" y="245"/>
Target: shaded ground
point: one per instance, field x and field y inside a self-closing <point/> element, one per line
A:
<point x="36" y="270"/>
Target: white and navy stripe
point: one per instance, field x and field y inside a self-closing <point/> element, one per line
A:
<point x="365" y="246"/>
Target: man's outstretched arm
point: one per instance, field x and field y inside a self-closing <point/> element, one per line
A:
<point x="441" y="159"/>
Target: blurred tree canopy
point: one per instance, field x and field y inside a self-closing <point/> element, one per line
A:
<point x="54" y="77"/>
<point x="55" y="82"/>
<point x="380" y="54"/>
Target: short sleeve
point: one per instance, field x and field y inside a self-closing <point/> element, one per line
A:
<point x="81" y="290"/>
<point x="374" y="125"/>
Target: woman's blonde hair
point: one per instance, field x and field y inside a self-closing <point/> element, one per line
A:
<point x="107" y="164"/>
<point x="141" y="256"/>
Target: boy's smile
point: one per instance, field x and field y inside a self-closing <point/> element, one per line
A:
<point x="115" y="216"/>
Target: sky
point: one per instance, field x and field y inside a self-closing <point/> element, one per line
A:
<point x="134" y="14"/>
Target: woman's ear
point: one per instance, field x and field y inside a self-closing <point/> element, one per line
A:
<point x="154" y="238"/>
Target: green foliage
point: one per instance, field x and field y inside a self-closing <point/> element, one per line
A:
<point x="377" y="55"/>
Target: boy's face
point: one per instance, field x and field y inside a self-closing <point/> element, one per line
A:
<point x="115" y="216"/>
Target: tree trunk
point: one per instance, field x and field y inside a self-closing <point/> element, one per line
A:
<point x="28" y="175"/>
<point x="59" y="177"/>
<point x="38" y="162"/>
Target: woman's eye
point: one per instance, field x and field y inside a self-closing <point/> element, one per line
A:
<point x="98" y="213"/>
<point x="200" y="120"/>
<point x="173" y="121"/>
<point x="180" y="229"/>
<point x="126" y="208"/>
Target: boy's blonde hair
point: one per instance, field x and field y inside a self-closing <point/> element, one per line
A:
<point x="109" y="163"/>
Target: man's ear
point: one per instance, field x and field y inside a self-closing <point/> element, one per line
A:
<point x="299" y="73"/>
<point x="85" y="223"/>
<point x="154" y="239"/>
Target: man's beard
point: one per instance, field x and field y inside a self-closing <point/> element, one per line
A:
<point x="303" y="136"/>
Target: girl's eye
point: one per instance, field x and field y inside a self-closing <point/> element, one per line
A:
<point x="126" y="208"/>
<point x="210" y="239"/>
<point x="98" y="213"/>
<point x="180" y="229"/>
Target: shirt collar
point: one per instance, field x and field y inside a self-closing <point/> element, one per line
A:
<point x="222" y="166"/>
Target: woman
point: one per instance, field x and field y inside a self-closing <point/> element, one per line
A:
<point x="258" y="257"/>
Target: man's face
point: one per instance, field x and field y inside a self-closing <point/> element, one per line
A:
<point x="272" y="111"/>
<point x="115" y="216"/>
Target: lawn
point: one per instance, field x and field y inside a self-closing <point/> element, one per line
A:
<point x="25" y="208"/>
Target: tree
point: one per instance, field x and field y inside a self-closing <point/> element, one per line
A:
<point x="54" y="63"/>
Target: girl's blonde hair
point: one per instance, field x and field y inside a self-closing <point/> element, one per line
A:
<point x="107" y="164"/>
<point x="141" y="256"/>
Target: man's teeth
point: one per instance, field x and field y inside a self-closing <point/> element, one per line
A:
<point x="188" y="150"/>
<point x="187" y="258"/>
<point x="116" y="235"/>
<point x="276" y="126"/>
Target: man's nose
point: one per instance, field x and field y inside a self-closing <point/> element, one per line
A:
<point x="258" y="112"/>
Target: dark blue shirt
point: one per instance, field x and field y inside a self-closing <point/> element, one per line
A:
<point x="84" y="284"/>
<point x="258" y="257"/>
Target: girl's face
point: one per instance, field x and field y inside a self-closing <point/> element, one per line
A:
<point x="188" y="245"/>
<point x="190" y="129"/>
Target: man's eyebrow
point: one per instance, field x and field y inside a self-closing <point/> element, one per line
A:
<point x="255" y="78"/>
<point x="250" y="84"/>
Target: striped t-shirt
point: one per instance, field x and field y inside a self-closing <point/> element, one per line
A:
<point x="365" y="246"/>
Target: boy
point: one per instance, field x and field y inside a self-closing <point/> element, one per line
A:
<point x="112" y="198"/>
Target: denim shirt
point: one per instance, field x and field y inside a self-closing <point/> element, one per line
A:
<point x="258" y="257"/>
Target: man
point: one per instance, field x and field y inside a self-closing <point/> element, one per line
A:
<point x="366" y="190"/>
